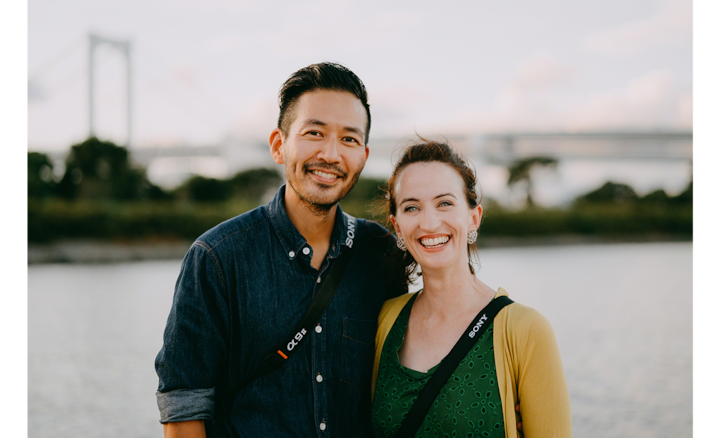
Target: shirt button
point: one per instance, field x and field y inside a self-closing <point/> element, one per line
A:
<point x="322" y="426"/>
<point x="319" y="280"/>
<point x="318" y="329"/>
<point x="306" y="250"/>
<point x="319" y="378"/>
<point x="291" y="253"/>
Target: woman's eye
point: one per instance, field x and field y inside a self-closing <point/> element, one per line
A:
<point x="445" y="204"/>
<point x="410" y="208"/>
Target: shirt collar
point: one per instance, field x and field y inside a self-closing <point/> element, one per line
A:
<point x="343" y="234"/>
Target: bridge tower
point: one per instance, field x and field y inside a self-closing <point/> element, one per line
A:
<point x="122" y="46"/>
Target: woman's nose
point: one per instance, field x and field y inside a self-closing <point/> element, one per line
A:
<point x="429" y="220"/>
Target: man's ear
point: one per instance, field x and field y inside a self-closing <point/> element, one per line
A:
<point x="276" y="142"/>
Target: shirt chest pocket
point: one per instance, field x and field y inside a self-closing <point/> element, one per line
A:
<point x="358" y="349"/>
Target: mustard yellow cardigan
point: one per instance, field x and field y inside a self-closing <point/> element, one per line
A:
<point x="528" y="365"/>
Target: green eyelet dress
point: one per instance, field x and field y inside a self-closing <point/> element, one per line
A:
<point x="467" y="406"/>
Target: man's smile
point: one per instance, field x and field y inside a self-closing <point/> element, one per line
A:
<point x="325" y="173"/>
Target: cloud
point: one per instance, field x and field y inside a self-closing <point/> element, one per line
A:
<point x="649" y="89"/>
<point x="230" y="6"/>
<point x="298" y="31"/>
<point x="685" y="109"/>
<point x="531" y="100"/>
<point x="256" y="120"/>
<point x="672" y="25"/>
<point x="650" y="101"/>
<point x="542" y="70"/>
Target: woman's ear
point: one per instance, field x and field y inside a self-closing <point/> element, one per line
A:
<point x="395" y="225"/>
<point x="476" y="217"/>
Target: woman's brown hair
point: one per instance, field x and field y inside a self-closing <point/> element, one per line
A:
<point x="426" y="151"/>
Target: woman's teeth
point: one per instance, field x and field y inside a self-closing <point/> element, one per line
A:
<point x="434" y="242"/>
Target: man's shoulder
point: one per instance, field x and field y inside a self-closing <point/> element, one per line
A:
<point x="374" y="228"/>
<point x="374" y="240"/>
<point x="237" y="228"/>
<point x="374" y="232"/>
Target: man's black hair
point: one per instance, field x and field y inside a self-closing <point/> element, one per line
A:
<point x="322" y="76"/>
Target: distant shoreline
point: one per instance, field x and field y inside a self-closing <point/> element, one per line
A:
<point x="102" y="252"/>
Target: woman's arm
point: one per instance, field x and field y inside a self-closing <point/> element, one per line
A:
<point x="542" y="388"/>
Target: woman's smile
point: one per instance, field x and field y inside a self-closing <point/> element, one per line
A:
<point x="434" y="242"/>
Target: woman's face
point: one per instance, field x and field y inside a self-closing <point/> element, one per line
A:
<point x="433" y="215"/>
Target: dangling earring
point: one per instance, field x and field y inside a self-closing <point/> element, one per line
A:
<point x="472" y="237"/>
<point x="401" y="244"/>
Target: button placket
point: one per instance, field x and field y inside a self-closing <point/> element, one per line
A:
<point x="320" y="389"/>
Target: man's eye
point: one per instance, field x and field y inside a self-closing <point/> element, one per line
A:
<point x="314" y="133"/>
<point x="351" y="140"/>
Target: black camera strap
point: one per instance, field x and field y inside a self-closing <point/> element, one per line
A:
<point x="427" y="396"/>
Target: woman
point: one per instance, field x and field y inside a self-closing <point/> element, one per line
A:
<point x="435" y="210"/>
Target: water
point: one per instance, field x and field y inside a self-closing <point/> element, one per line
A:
<point x="622" y="315"/>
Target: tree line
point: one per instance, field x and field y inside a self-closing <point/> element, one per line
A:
<point x="101" y="170"/>
<point x="101" y="193"/>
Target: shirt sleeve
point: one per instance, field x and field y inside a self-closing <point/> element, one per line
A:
<point x="542" y="388"/>
<point x="195" y="339"/>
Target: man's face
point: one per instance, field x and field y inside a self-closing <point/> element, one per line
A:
<point x="324" y="150"/>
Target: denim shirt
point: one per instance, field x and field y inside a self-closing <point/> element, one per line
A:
<point x="243" y="287"/>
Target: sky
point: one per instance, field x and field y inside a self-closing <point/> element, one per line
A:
<point x="205" y="70"/>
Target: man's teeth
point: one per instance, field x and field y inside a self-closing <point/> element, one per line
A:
<point x="435" y="241"/>
<point x="324" y="175"/>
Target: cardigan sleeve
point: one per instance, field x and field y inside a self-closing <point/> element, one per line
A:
<point x="388" y="314"/>
<point x="542" y="390"/>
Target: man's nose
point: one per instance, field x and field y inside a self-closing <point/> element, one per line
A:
<point x="329" y="151"/>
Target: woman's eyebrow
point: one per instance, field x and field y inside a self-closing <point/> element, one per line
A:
<point x="408" y="200"/>
<point x="415" y="200"/>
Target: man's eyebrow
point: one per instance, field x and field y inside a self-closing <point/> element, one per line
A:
<point x="357" y="131"/>
<point x="316" y="122"/>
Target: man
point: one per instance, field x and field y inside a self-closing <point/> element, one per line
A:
<point x="246" y="283"/>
